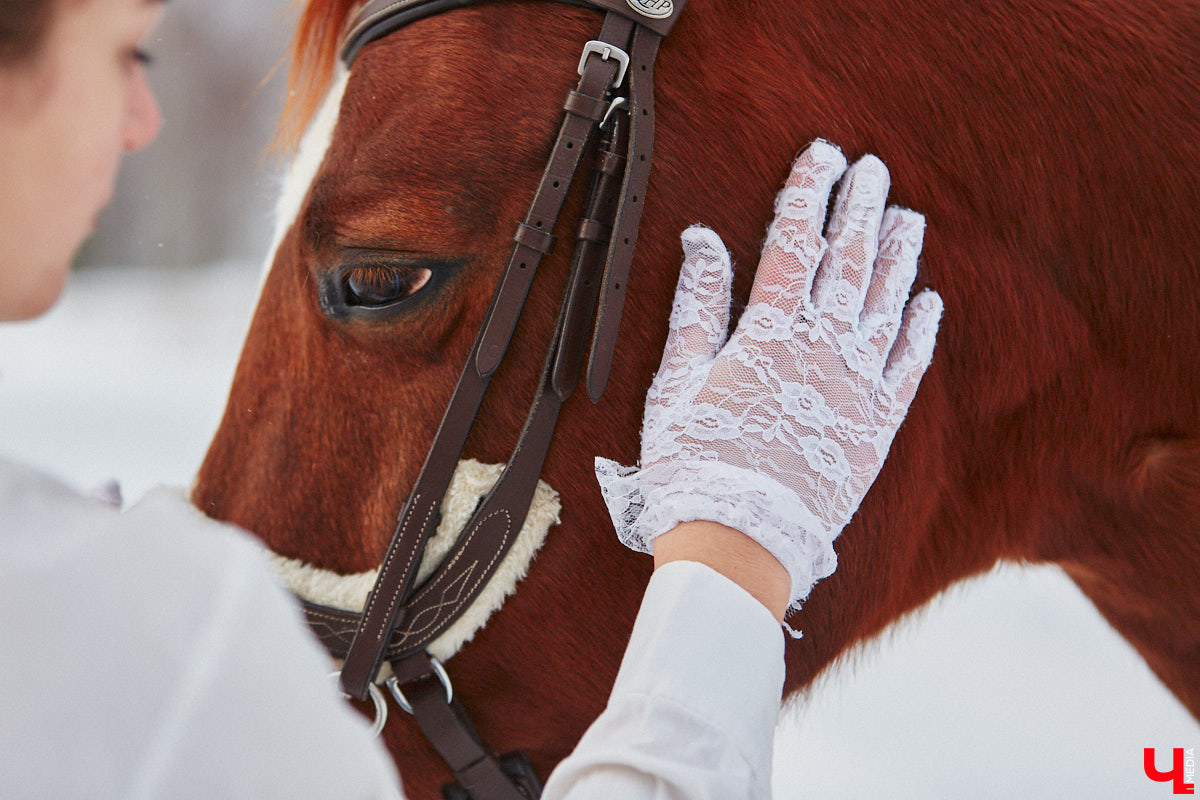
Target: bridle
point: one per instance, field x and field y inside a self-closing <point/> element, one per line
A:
<point x="611" y="113"/>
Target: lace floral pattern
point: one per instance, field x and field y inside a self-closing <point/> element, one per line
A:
<point x="779" y="430"/>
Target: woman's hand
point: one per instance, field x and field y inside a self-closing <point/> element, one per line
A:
<point x="779" y="430"/>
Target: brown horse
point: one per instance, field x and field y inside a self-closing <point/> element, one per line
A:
<point x="1053" y="147"/>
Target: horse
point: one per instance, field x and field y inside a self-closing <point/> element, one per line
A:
<point x="1052" y="147"/>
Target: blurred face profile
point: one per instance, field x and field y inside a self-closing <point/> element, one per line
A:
<point x="67" y="114"/>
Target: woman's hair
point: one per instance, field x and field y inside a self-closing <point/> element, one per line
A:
<point x="23" y="28"/>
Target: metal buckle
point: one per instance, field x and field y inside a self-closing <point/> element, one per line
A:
<point x="393" y="686"/>
<point x="377" y="698"/>
<point x="606" y="51"/>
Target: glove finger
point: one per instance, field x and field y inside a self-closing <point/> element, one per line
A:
<point x="913" y="350"/>
<point x="700" y="316"/>
<point x="841" y="280"/>
<point x="794" y="243"/>
<point x="901" y="235"/>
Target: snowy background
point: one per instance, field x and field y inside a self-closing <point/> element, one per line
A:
<point x="1009" y="686"/>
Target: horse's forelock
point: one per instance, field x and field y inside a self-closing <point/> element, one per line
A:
<point x="314" y="53"/>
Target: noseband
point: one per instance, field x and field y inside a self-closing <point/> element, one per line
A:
<point x="611" y="113"/>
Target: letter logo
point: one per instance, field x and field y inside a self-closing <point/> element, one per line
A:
<point x="1176" y="775"/>
<point x="654" y="9"/>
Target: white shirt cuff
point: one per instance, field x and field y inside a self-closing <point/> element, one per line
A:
<point x="706" y="643"/>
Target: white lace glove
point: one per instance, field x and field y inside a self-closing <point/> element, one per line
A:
<point x="779" y="431"/>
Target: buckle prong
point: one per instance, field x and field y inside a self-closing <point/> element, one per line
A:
<point x="618" y="102"/>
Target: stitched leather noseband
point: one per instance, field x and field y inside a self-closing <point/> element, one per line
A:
<point x="612" y="103"/>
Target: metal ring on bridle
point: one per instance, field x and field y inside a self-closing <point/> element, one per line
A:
<point x="393" y="686"/>
<point x="377" y="698"/>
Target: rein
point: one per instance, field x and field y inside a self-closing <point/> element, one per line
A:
<point x="610" y="112"/>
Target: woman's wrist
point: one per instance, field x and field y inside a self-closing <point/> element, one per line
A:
<point x="731" y="553"/>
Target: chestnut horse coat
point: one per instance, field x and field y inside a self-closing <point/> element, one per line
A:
<point x="1053" y="147"/>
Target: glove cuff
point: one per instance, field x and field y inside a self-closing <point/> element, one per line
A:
<point x="646" y="502"/>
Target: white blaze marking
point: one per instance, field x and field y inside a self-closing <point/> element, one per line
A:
<point x="311" y="153"/>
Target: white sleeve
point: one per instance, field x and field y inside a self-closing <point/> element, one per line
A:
<point x="693" y="711"/>
<point x="151" y="654"/>
<point x="255" y="702"/>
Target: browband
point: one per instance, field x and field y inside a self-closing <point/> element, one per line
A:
<point x="378" y="18"/>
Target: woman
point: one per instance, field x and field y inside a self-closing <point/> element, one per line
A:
<point x="141" y="651"/>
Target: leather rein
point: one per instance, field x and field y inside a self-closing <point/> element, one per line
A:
<point x="609" y="113"/>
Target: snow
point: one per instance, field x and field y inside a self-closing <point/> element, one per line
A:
<point x="1008" y="686"/>
<point x="127" y="376"/>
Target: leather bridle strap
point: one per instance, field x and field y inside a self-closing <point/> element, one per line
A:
<point x="399" y="621"/>
<point x="629" y="213"/>
<point x="481" y="774"/>
<point x="385" y="609"/>
<point x="377" y="18"/>
<point x="477" y="769"/>
<point x="429" y="613"/>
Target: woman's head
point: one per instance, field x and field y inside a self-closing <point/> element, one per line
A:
<point x="73" y="99"/>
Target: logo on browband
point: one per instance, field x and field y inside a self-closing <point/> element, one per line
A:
<point x="655" y="9"/>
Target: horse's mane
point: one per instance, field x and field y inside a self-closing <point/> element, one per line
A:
<point x="314" y="53"/>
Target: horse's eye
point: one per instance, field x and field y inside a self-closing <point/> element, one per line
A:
<point x="374" y="286"/>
